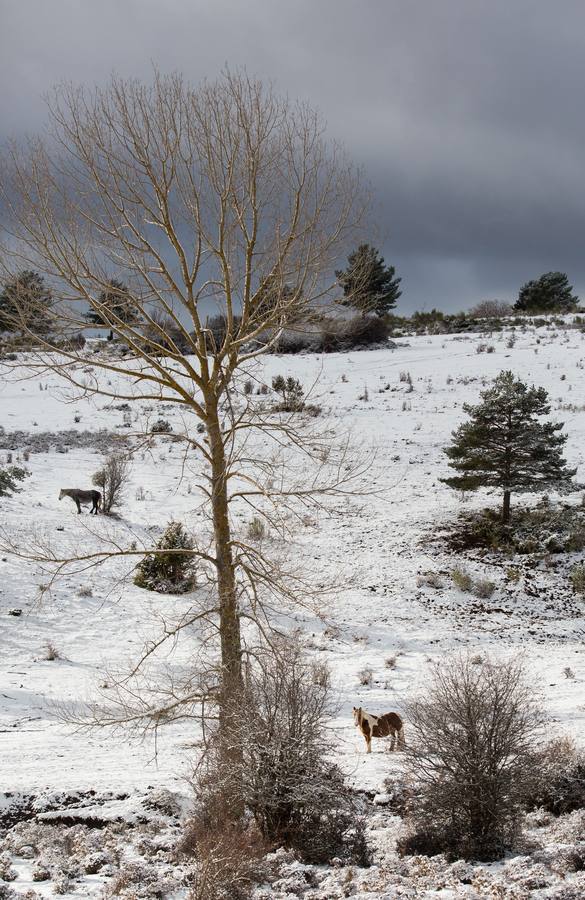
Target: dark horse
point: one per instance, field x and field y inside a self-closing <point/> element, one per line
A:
<point x="85" y="497"/>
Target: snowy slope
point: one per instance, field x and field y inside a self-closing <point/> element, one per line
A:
<point x="377" y="546"/>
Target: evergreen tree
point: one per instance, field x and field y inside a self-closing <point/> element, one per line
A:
<point x="169" y="572"/>
<point x="117" y="305"/>
<point x="368" y="285"/>
<point x="505" y="446"/>
<point x="549" y="293"/>
<point x="25" y="303"/>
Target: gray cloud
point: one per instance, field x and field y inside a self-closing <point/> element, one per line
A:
<point x="466" y="114"/>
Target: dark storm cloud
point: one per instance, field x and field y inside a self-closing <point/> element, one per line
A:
<point x="467" y="115"/>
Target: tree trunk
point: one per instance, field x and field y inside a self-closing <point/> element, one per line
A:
<point x="229" y="621"/>
<point x="506" y="508"/>
<point x="231" y="649"/>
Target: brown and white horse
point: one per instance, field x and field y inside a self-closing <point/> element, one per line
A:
<point x="379" y="726"/>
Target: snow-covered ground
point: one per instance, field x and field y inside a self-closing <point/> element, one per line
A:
<point x="381" y="618"/>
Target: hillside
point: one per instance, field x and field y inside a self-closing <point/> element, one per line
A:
<point x="383" y="616"/>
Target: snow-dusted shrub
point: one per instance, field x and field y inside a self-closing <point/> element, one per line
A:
<point x="161" y="426"/>
<point x="483" y="588"/>
<point x="136" y="880"/>
<point x="471" y="752"/>
<point x="365" y="676"/>
<point x="7" y="873"/>
<point x="228" y="861"/>
<point x="578" y="579"/>
<point x="560" y="783"/>
<point x="256" y="530"/>
<point x="51" y="652"/>
<point x="172" y="570"/>
<point x="112" y="478"/>
<point x="429" y="579"/>
<point x="462" y="579"/>
<point x="6" y="893"/>
<point x="295" y="794"/>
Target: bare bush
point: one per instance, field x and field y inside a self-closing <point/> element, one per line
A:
<point x="429" y="579"/>
<point x="256" y="529"/>
<point x="112" y="478"/>
<point x="365" y="676"/>
<point x="491" y="309"/>
<point x="51" y="652"/>
<point x="472" y="749"/>
<point x="297" y="798"/>
<point x="560" y="782"/>
<point x="483" y="588"/>
<point x="228" y="861"/>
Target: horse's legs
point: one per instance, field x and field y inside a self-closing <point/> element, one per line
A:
<point x="368" y="743"/>
<point x="393" y="743"/>
<point x="78" y="506"/>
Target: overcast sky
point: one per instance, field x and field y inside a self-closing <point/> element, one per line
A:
<point x="468" y="115"/>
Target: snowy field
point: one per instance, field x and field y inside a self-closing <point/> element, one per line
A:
<point x="381" y="617"/>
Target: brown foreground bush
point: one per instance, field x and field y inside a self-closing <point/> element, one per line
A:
<point x="560" y="783"/>
<point x="230" y="859"/>
<point x="473" y="741"/>
<point x="295" y="796"/>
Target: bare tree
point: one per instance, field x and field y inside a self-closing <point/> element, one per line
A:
<point x="194" y="198"/>
<point x="112" y="478"/>
<point x="473" y="739"/>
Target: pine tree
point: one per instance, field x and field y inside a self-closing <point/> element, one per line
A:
<point x="549" y="293"/>
<point x="169" y="572"/>
<point x="117" y="307"/>
<point x="25" y="303"/>
<point x="368" y="285"/>
<point x="505" y="446"/>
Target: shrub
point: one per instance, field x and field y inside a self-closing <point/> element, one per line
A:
<point x="161" y="426"/>
<point x="471" y="751"/>
<point x="51" y="652"/>
<point x="296" y="796"/>
<point x="483" y="588"/>
<point x="9" y="478"/>
<point x="291" y="391"/>
<point x="171" y="570"/>
<point x="578" y="579"/>
<point x="430" y="579"/>
<point x="228" y="860"/>
<point x="491" y="309"/>
<point x="560" y="778"/>
<point x="365" y="677"/>
<point x="256" y="529"/>
<point x="363" y="331"/>
<point x="462" y="580"/>
<point x="112" y="478"/>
